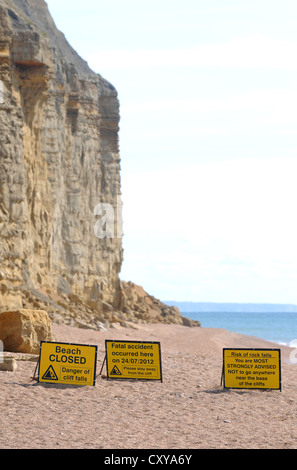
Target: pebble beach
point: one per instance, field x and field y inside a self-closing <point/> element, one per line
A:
<point x="189" y="409"/>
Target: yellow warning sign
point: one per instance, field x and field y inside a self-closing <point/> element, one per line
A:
<point x="252" y="368"/>
<point x="67" y="363"/>
<point x="133" y="360"/>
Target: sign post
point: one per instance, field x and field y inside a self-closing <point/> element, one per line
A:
<point x="133" y="360"/>
<point x="65" y="363"/>
<point x="252" y="368"/>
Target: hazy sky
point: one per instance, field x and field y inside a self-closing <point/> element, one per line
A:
<point x="208" y="140"/>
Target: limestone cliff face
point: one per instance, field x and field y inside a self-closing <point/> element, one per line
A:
<point x="59" y="159"/>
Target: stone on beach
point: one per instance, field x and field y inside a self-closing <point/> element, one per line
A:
<point x="22" y="330"/>
<point x="8" y="364"/>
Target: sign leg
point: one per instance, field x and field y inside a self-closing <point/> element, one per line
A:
<point x="35" y="378"/>
<point x="104" y="360"/>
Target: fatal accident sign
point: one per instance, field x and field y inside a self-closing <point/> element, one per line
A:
<point x="67" y="363"/>
<point x="133" y="360"/>
<point x="252" y="368"/>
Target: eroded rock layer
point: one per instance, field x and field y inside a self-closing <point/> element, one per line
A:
<point x="59" y="160"/>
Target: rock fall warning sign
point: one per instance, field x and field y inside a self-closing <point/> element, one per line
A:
<point x="133" y="360"/>
<point x="67" y="363"/>
<point x="252" y="368"/>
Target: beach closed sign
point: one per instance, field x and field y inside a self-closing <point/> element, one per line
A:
<point x="65" y="363"/>
<point x="133" y="360"/>
<point x="252" y="368"/>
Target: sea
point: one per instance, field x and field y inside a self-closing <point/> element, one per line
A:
<point x="278" y="327"/>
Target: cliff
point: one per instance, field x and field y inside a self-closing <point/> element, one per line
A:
<point x="59" y="160"/>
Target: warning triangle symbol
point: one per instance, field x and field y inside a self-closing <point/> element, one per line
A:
<point x="115" y="371"/>
<point x="50" y="374"/>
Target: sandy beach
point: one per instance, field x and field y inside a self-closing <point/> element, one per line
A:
<point x="188" y="410"/>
